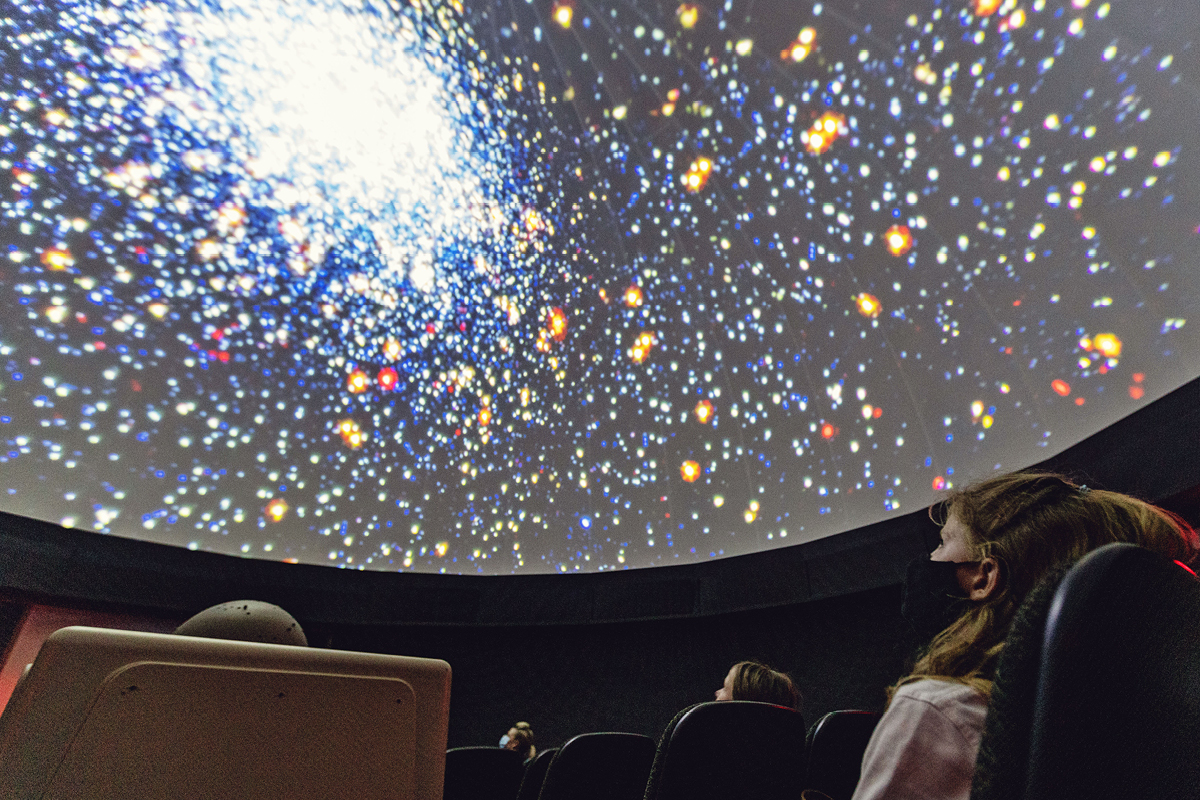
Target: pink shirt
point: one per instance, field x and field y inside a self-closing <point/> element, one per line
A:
<point x="925" y="745"/>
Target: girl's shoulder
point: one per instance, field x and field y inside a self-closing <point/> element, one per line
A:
<point x="939" y="692"/>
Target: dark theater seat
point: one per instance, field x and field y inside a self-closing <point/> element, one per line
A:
<point x="733" y="750"/>
<point x="483" y="773"/>
<point x="535" y="774"/>
<point x="600" y="766"/>
<point x="1098" y="689"/>
<point x="836" y="745"/>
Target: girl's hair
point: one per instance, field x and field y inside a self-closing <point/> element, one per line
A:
<point x="524" y="738"/>
<point x="758" y="682"/>
<point x="1031" y="522"/>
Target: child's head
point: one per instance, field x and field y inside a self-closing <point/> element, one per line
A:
<point x="1009" y="532"/>
<point x="1031" y="522"/>
<point x="750" y="680"/>
<point x="520" y="738"/>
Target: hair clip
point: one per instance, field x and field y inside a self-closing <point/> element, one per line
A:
<point x="1083" y="489"/>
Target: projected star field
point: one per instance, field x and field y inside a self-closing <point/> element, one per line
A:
<point x="561" y="286"/>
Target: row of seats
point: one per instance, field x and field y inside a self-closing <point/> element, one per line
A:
<point x="710" y="750"/>
<point x="1097" y="694"/>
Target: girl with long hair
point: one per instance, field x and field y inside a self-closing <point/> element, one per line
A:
<point x="999" y="538"/>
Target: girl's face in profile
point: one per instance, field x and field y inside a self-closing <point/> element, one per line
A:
<point x="726" y="690"/>
<point x="954" y="546"/>
<point x="978" y="579"/>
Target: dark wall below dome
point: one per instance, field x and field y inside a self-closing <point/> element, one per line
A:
<point x="634" y="676"/>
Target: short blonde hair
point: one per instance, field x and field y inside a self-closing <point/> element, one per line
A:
<point x="523" y="735"/>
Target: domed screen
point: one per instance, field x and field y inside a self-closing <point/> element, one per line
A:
<point x="566" y="286"/>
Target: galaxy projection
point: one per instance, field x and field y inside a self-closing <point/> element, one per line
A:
<point x="567" y="286"/>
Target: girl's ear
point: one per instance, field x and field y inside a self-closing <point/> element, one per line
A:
<point x="983" y="581"/>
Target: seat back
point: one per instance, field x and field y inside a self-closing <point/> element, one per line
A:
<point x="1105" y="702"/>
<point x="836" y="744"/>
<point x="535" y="774"/>
<point x="732" y="750"/>
<point x="1118" y="700"/>
<point x="600" y="766"/>
<point x="483" y="773"/>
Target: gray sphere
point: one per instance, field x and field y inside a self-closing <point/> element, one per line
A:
<point x="246" y="621"/>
